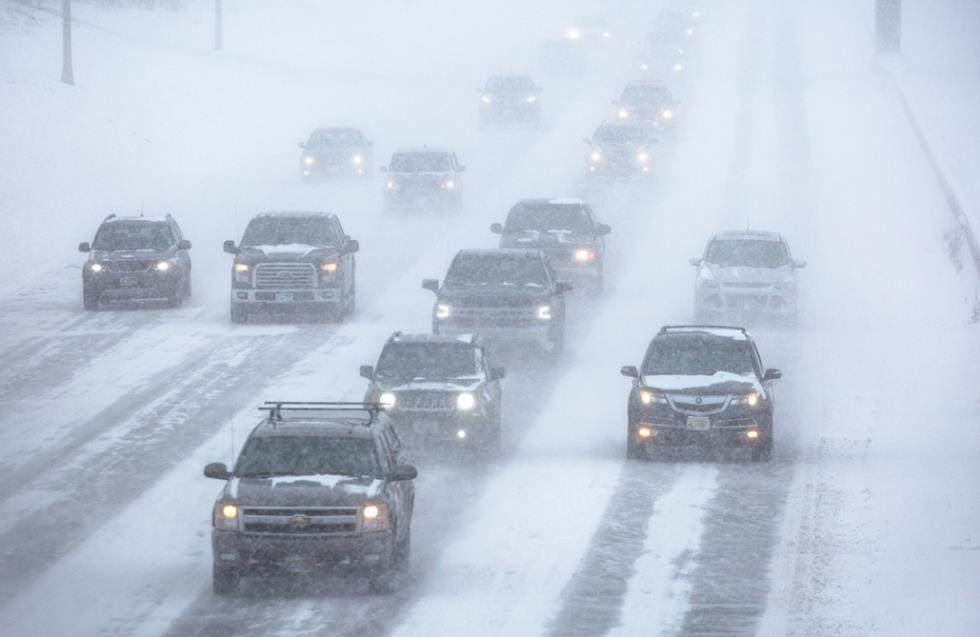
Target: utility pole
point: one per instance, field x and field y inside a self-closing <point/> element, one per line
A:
<point x="217" y="26"/>
<point x="888" y="25"/>
<point x="67" y="76"/>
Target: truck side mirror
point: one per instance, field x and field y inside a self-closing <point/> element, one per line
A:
<point x="497" y="373"/>
<point x="301" y="145"/>
<point x="353" y="245"/>
<point x="496" y="228"/>
<point x="184" y="244"/>
<point x="402" y="472"/>
<point x="217" y="470"/>
<point x="603" y="229"/>
<point x="629" y="371"/>
<point x="367" y="371"/>
<point x="431" y="284"/>
<point x="84" y="247"/>
<point x="772" y="374"/>
<point x="231" y="248"/>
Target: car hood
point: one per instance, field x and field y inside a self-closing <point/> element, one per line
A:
<point x="427" y="384"/>
<point x="494" y="292"/>
<point x="741" y="274"/>
<point x="620" y="148"/>
<point x="288" y="251"/>
<point x="130" y="255"/>
<point x="719" y="383"/>
<point x="544" y="239"/>
<point x="312" y="490"/>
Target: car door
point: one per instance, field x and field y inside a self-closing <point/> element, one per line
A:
<point x="183" y="256"/>
<point x="396" y="491"/>
<point x="493" y="386"/>
<point x="346" y="259"/>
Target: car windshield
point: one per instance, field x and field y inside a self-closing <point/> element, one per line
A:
<point x="335" y="136"/>
<point x="644" y="95"/>
<point x="747" y="253"/>
<point x="306" y="455"/>
<point x="620" y="135"/>
<point x="509" y="84"/>
<point x="543" y="217"/>
<point x="496" y="271"/>
<point x="133" y="235"/>
<point x="288" y="230"/>
<point x="697" y="356"/>
<point x="420" y="163"/>
<point x="427" y="360"/>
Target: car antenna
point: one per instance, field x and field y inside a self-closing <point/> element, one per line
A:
<point x="748" y="223"/>
<point x="232" y="429"/>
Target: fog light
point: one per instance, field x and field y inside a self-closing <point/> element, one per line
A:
<point x="752" y="434"/>
<point x="645" y="432"/>
<point x="461" y="434"/>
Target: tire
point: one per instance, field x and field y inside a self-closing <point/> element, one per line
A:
<point x="225" y="580"/>
<point x="401" y="556"/>
<point x="176" y="298"/>
<point x="90" y="299"/>
<point x="238" y="314"/>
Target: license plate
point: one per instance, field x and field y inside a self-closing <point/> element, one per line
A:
<point x="128" y="281"/>
<point x="698" y="423"/>
<point x="284" y="297"/>
<point x="299" y="564"/>
<point x="425" y="428"/>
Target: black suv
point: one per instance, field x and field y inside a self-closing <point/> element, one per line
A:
<point x="316" y="488"/>
<point x="701" y="385"/>
<point x="510" y="99"/>
<point x="293" y="260"/>
<point x="647" y="101"/>
<point x="503" y="295"/>
<point x="439" y="389"/>
<point x="565" y="230"/>
<point x="621" y="149"/>
<point x="425" y="177"/>
<point x="136" y="258"/>
<point x="336" y="152"/>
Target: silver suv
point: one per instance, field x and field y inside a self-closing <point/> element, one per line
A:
<point x="746" y="272"/>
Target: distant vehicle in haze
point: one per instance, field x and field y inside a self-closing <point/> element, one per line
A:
<point x="621" y="149"/>
<point x="701" y="386"/>
<point x="136" y="258"/>
<point x="336" y="152"/>
<point x="566" y="231"/>
<point x="647" y="101"/>
<point x="663" y="54"/>
<point x="439" y="390"/>
<point x="293" y="261"/>
<point x="427" y="178"/>
<point x="317" y="489"/>
<point x="506" y="296"/>
<point x="588" y="30"/>
<point x="746" y="273"/>
<point x="510" y="99"/>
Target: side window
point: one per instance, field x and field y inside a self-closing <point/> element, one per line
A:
<point x="757" y="360"/>
<point x="551" y="273"/>
<point x="394" y="443"/>
<point x="384" y="453"/>
<point x="453" y="161"/>
<point x="481" y="359"/>
<point x="176" y="230"/>
<point x="590" y="216"/>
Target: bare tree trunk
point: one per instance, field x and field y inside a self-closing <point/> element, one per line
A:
<point x="888" y="24"/>
<point x="217" y="26"/>
<point x="67" y="76"/>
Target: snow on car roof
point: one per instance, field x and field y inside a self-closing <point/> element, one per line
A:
<point x="757" y="235"/>
<point x="433" y="338"/>
<point x="147" y="218"/>
<point x="498" y="252"/>
<point x="734" y="333"/>
<point x="567" y="201"/>
<point x="298" y="213"/>
<point x="422" y="149"/>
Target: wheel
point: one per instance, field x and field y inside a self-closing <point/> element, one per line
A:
<point x="402" y="554"/>
<point x="175" y="298"/>
<point x="90" y="299"/>
<point x="238" y="314"/>
<point x="187" y="287"/>
<point x="225" y="580"/>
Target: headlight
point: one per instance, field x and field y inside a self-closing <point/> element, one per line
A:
<point x="595" y="156"/>
<point x="643" y="67"/>
<point x="648" y="397"/>
<point x="374" y="516"/>
<point x="748" y="400"/>
<point x="449" y="184"/>
<point x="309" y="160"/>
<point x="623" y="113"/>
<point x="465" y="401"/>
<point x="689" y="31"/>
<point x="387" y="399"/>
<point x="391" y="184"/>
<point x="584" y="255"/>
<point x="544" y="312"/>
<point x="442" y="311"/>
<point x="357" y="160"/>
<point x="96" y="267"/>
<point x="486" y="99"/>
<point x="667" y="114"/>
<point x="225" y="516"/>
<point x="678" y="67"/>
<point x="162" y="266"/>
<point x="643" y="157"/>
<point x="531" y="98"/>
<point x="605" y="35"/>
<point x="242" y="272"/>
<point x="573" y="34"/>
<point x="329" y="268"/>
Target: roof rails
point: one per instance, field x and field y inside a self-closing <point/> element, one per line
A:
<point x="676" y="328"/>
<point x="276" y="407"/>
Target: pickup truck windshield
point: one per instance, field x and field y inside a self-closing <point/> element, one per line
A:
<point x="548" y="216"/>
<point x="496" y="271"/>
<point x="287" y="230"/>
<point x="306" y="455"/>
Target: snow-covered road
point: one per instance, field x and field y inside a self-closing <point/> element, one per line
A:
<point x="865" y="522"/>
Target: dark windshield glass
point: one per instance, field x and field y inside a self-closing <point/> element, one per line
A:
<point x="747" y="253"/>
<point x="335" y="136"/>
<point x="494" y="271"/>
<point x="543" y="217"/>
<point x="308" y="455"/>
<point x="620" y="135"/>
<point x="644" y="95"/>
<point x="698" y="356"/>
<point x="510" y="84"/>
<point x="133" y="235"/>
<point x="420" y="163"/>
<point x="427" y="360"/>
<point x="287" y="230"/>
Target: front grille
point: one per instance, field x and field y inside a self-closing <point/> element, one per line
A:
<point x="743" y="284"/>
<point x="299" y="520"/>
<point x="493" y="302"/>
<point x="496" y="317"/>
<point x="428" y="401"/>
<point x="699" y="405"/>
<point x="130" y="266"/>
<point x="285" y="276"/>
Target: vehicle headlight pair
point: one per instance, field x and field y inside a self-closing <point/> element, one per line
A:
<point x="648" y="397"/>
<point x="357" y="160"/>
<point x="242" y="273"/>
<point x="584" y="255"/>
<point x="226" y="516"/>
<point x="747" y="400"/>
<point x="309" y="160"/>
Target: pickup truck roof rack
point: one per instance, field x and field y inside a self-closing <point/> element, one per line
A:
<point x="276" y="407"/>
<point x="677" y="328"/>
